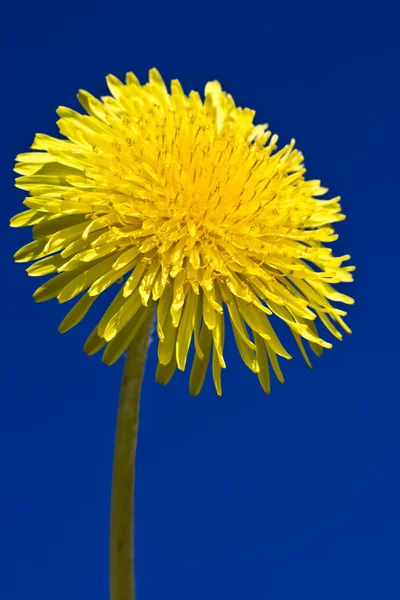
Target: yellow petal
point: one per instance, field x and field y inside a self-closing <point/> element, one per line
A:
<point x="76" y="314"/>
<point x="185" y="330"/>
<point x="262" y="360"/>
<point x="199" y="367"/>
<point x="236" y="317"/>
<point x="274" y="362"/>
<point x="180" y="289"/>
<point x="85" y="279"/>
<point x="30" y="251"/>
<point x="122" y="316"/>
<point x="300" y="344"/>
<point x="25" y="218"/>
<point x="197" y="317"/>
<point x="166" y="347"/>
<point x="164" y="373"/>
<point x="218" y="334"/>
<point x="126" y="336"/>
<point x="254" y="318"/>
<point x="94" y="343"/>
<point x="163" y="309"/>
<point x="45" y="266"/>
<point x="108" y="279"/>
<point x="112" y="309"/>
<point x="216" y="372"/>
<point x="134" y="279"/>
<point x="146" y="284"/>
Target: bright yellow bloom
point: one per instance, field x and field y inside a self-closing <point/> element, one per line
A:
<point x="188" y="207"/>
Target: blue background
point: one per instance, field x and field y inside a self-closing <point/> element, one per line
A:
<point x="295" y="495"/>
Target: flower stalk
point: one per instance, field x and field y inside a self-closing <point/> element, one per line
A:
<point x="122" y="568"/>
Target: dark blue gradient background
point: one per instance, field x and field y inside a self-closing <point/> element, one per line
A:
<point x="285" y="497"/>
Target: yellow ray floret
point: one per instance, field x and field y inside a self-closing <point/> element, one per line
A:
<point x="191" y="210"/>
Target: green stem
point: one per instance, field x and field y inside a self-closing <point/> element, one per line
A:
<point x="122" y="570"/>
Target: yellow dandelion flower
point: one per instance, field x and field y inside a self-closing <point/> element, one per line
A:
<point x="191" y="209"/>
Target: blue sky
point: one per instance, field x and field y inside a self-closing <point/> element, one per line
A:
<point x="295" y="495"/>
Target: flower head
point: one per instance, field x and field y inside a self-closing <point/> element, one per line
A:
<point x="189" y="208"/>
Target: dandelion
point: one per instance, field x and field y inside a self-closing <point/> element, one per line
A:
<point x="194" y="209"/>
<point x="192" y="212"/>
